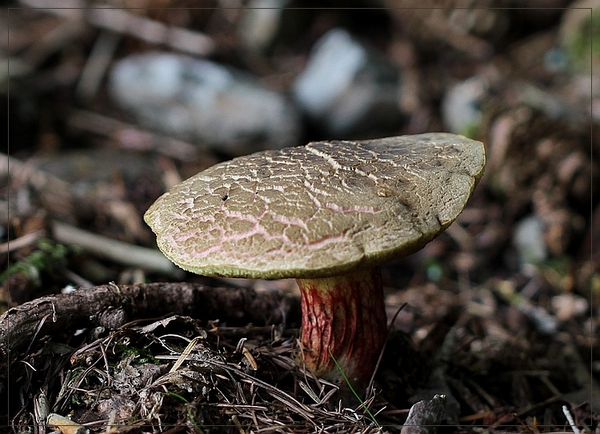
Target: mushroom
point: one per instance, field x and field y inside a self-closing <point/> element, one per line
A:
<point x="328" y="214"/>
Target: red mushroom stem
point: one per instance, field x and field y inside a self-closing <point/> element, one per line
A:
<point x="344" y="317"/>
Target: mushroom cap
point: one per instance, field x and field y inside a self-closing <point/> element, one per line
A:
<point x="317" y="210"/>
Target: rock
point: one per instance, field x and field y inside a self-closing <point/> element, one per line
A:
<point x="425" y="416"/>
<point x="347" y="89"/>
<point x="204" y="102"/>
<point x="460" y="106"/>
<point x="528" y="239"/>
<point x="262" y="23"/>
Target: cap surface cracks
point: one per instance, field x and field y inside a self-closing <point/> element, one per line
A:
<point x="317" y="210"/>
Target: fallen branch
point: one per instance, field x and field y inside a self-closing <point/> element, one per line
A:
<point x="117" y="251"/>
<point x="112" y="306"/>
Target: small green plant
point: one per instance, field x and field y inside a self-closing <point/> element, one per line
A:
<point x="189" y="410"/>
<point x="583" y="47"/>
<point x="347" y="380"/>
<point x="47" y="256"/>
<point x="139" y="355"/>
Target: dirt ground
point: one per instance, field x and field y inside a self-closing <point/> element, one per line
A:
<point x="495" y="322"/>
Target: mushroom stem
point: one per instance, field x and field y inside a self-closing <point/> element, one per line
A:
<point x="344" y="317"/>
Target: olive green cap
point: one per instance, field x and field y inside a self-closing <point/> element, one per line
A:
<point x="317" y="210"/>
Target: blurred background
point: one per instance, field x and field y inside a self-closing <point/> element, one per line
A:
<point x="110" y="103"/>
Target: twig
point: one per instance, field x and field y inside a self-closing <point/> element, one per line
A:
<point x="122" y="21"/>
<point x="543" y="321"/>
<point x="96" y="65"/>
<point x="118" y="251"/>
<point x="184" y="355"/>
<point x="19" y="243"/>
<point x="83" y="308"/>
<point x="567" y="414"/>
<point x="281" y="396"/>
<point x="51" y="42"/>
<point x="129" y="136"/>
<point x="54" y="193"/>
<point x="77" y="279"/>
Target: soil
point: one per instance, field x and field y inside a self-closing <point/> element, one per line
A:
<point x="493" y="325"/>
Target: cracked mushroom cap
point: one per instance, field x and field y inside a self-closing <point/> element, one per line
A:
<point x="317" y="210"/>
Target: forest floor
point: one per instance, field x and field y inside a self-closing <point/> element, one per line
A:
<point x="496" y="321"/>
